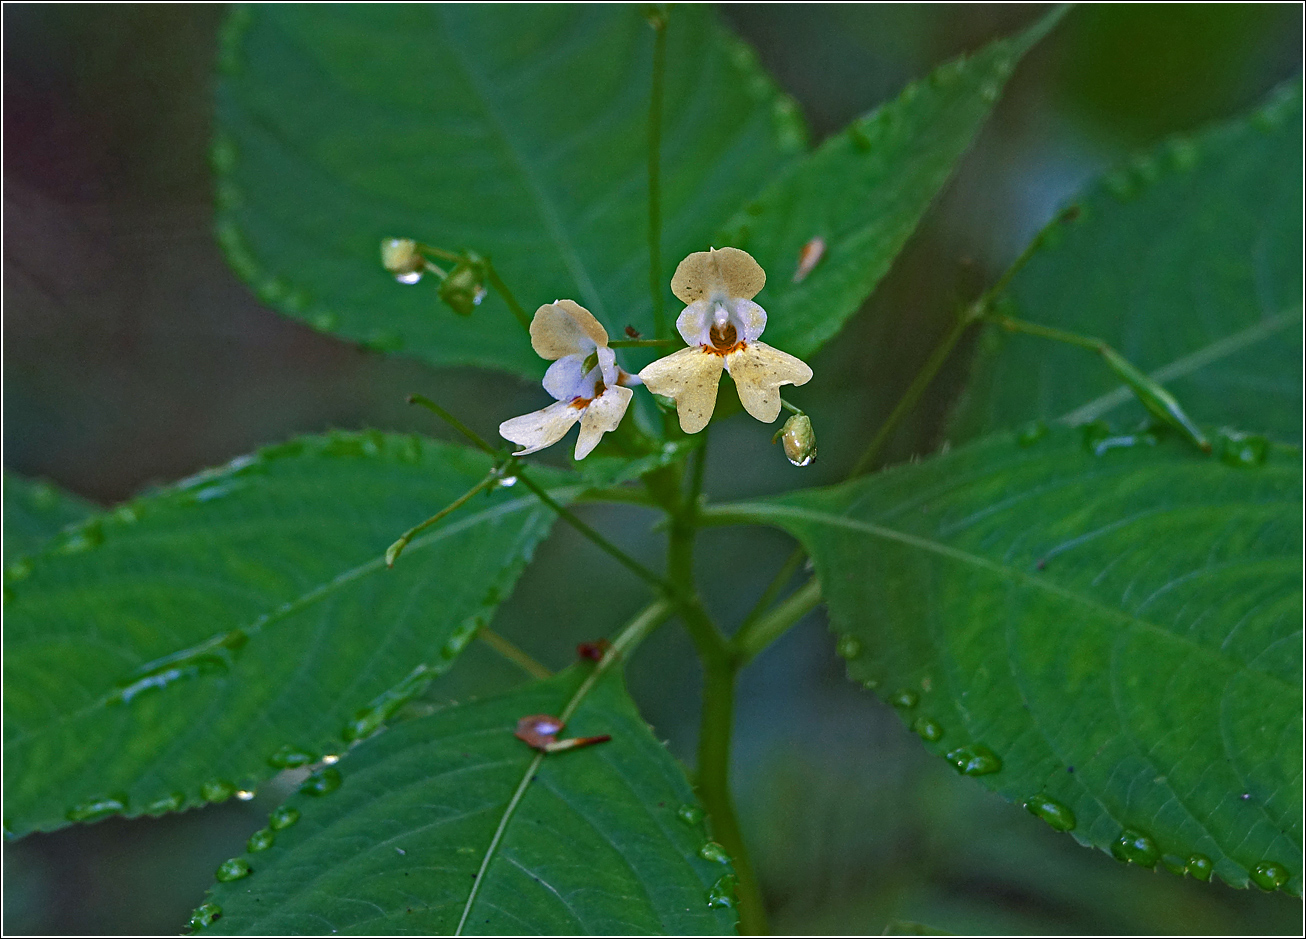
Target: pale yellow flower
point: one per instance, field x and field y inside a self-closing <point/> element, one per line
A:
<point x="721" y="324"/>
<point x="584" y="378"/>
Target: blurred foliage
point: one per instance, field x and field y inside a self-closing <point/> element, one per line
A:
<point x="133" y="355"/>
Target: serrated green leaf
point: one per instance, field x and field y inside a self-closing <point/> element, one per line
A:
<point x="864" y="191"/>
<point x="1189" y="263"/>
<point x="160" y="655"/>
<point x="35" y="510"/>
<point x="1113" y="640"/>
<point x="605" y="839"/>
<point x="520" y="133"/>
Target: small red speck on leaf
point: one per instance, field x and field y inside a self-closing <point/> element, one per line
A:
<point x="593" y="651"/>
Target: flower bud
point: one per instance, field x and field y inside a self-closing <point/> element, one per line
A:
<point x="799" y="440"/>
<point x="462" y="289"/>
<point x="400" y="257"/>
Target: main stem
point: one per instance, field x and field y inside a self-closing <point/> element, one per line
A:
<point x="720" y="666"/>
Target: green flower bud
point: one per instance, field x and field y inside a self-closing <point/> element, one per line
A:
<point x="400" y="257"/>
<point x="799" y="440"/>
<point x="462" y="289"/>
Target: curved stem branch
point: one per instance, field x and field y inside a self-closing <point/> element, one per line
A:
<point x="512" y="653"/>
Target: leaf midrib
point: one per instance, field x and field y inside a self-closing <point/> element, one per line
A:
<point x="544" y="204"/>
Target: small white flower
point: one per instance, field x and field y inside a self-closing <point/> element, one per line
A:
<point x="584" y="378"/>
<point x="721" y="324"/>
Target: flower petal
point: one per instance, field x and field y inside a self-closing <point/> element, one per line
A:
<point x="603" y="414"/>
<point x="695" y="322"/>
<point x="565" y="379"/>
<point x="759" y="370"/>
<point x="564" y="327"/>
<point x="750" y="317"/>
<point x="541" y="428"/>
<point x="718" y="273"/>
<point x="690" y="376"/>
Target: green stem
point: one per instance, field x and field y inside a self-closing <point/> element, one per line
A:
<point x="1147" y="389"/>
<point x="913" y="392"/>
<point x="714" y="789"/>
<point x="1046" y="332"/>
<point x="638" y="569"/>
<point x="753" y="637"/>
<point x="791" y="408"/>
<point x="659" y="24"/>
<point x="476" y="439"/>
<point x="392" y="553"/>
<point x="502" y="289"/>
<point x="787" y="570"/>
<point x="512" y="653"/>
<point x="623" y="644"/>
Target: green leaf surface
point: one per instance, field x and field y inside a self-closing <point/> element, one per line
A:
<point x="163" y="654"/>
<point x="1189" y="263"/>
<point x="1113" y="640"/>
<point x="35" y="510"/>
<point x="864" y="191"/>
<point x="423" y="833"/>
<point x="520" y="133"/>
<point x="524" y="136"/>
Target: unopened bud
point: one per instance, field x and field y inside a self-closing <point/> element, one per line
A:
<point x="400" y="257"/>
<point x="799" y="440"/>
<point x="462" y="289"/>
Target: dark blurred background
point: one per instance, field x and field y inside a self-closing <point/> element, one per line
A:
<point x="132" y="357"/>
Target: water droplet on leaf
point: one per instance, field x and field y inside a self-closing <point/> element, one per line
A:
<point x="169" y="803"/>
<point x="234" y="869"/>
<point x="1243" y="450"/>
<point x="1051" y="811"/>
<point x="690" y="814"/>
<point x="261" y="840"/>
<point x="1199" y="867"/>
<point x="244" y="795"/>
<point x="96" y="809"/>
<point x="1135" y="847"/>
<point x="849" y="647"/>
<point x="217" y="790"/>
<point x="1269" y="875"/>
<point x="928" y="729"/>
<point x="88" y="536"/>
<point x="906" y="698"/>
<point x="714" y="852"/>
<point x="206" y="914"/>
<point x="288" y="757"/>
<point x="722" y="894"/>
<point x="974" y="760"/>
<point x="283" y="817"/>
<point x="383" y="706"/>
<point x="322" y="782"/>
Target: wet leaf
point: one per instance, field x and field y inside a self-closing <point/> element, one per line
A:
<point x="1188" y="262"/>
<point x="198" y="639"/>
<point x="864" y="191"/>
<point x="520" y="134"/>
<point x="407" y="844"/>
<point x="1112" y="640"/>
<point x="34" y="511"/>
